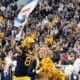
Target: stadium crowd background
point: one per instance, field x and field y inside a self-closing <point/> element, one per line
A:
<point x="55" y="23"/>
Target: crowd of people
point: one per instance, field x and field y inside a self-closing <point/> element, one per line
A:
<point x="54" y="23"/>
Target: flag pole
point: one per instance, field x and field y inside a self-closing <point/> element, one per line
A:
<point x="18" y="36"/>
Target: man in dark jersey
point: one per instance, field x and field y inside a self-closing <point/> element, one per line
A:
<point x="25" y="66"/>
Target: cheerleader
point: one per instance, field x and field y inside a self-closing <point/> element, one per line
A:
<point x="47" y="67"/>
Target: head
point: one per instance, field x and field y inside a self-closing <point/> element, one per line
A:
<point x="28" y="43"/>
<point x="43" y="51"/>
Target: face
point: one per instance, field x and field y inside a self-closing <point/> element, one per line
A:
<point x="42" y="52"/>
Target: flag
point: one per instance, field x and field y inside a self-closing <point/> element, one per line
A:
<point x="25" y="12"/>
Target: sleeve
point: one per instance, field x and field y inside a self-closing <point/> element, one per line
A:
<point x="31" y="68"/>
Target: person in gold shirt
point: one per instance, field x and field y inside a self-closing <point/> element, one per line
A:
<point x="48" y="40"/>
<point x="47" y="66"/>
<point x="1" y="34"/>
<point x="1" y="19"/>
<point x="55" y="19"/>
<point x="33" y="35"/>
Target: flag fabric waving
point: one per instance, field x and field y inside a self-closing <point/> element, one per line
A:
<point x="25" y="12"/>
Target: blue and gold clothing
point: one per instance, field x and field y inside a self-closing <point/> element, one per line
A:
<point x="25" y="63"/>
<point x="24" y="66"/>
<point x="21" y="78"/>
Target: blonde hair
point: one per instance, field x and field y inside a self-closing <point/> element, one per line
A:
<point x="48" y="51"/>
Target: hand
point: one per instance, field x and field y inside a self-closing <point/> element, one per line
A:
<point x="18" y="37"/>
<point x="38" y="71"/>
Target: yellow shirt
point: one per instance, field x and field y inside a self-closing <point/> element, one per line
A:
<point x="55" y="19"/>
<point x="1" y="35"/>
<point x="47" y="65"/>
<point x="48" y="40"/>
<point x="33" y="35"/>
<point x="1" y="18"/>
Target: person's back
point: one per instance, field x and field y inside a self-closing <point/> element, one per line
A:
<point x="23" y="63"/>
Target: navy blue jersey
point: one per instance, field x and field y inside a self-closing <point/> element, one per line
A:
<point x="23" y="63"/>
<point x="32" y="67"/>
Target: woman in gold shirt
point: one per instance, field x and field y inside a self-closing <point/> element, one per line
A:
<point x="48" y="70"/>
